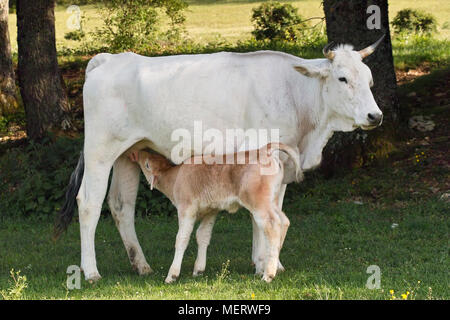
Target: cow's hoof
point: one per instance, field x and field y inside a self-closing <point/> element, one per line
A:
<point x="171" y="278"/>
<point x="93" y="277"/>
<point x="144" y="269"/>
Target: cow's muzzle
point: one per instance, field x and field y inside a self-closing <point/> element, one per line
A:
<point x="375" y="119"/>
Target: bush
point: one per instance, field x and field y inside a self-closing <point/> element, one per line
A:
<point x="76" y="35"/>
<point x="276" y="21"/>
<point x="411" y="20"/>
<point x="34" y="179"/>
<point x="134" y="25"/>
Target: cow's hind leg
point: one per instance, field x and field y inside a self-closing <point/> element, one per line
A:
<point x="121" y="201"/>
<point x="90" y="199"/>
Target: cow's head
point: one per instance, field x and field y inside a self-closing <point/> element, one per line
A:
<point x="346" y="85"/>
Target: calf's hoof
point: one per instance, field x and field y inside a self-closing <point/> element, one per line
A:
<point x="268" y="278"/>
<point x="171" y="278"/>
<point x="259" y="272"/>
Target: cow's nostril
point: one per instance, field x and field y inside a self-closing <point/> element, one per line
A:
<point x="374" y="118"/>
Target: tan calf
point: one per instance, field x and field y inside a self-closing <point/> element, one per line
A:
<point x="200" y="191"/>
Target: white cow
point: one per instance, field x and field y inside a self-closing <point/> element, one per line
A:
<point x="133" y="102"/>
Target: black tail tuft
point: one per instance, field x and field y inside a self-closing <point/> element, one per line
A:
<point x="66" y="213"/>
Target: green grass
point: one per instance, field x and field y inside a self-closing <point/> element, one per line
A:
<point x="207" y="19"/>
<point x="331" y="242"/>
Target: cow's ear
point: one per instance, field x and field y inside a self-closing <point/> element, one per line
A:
<point x="313" y="70"/>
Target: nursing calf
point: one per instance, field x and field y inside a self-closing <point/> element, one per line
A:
<point x="200" y="189"/>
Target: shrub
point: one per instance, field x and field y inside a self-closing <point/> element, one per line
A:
<point x="76" y="35"/>
<point x="276" y="21"/>
<point x="134" y="25"/>
<point x="34" y="179"/>
<point x="411" y="20"/>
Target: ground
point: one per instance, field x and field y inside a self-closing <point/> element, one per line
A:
<point x="392" y="212"/>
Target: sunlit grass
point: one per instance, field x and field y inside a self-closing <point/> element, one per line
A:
<point x="206" y="20"/>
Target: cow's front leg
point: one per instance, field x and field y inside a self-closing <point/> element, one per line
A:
<point x="121" y="200"/>
<point x="283" y="220"/>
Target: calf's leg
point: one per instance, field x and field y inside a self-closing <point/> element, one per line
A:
<point x="269" y="221"/>
<point x="203" y="236"/>
<point x="258" y="248"/>
<point x="186" y="221"/>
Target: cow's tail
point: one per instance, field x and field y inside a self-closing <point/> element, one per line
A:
<point x="291" y="153"/>
<point x="96" y="61"/>
<point x="65" y="215"/>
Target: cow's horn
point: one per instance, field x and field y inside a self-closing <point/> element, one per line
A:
<point x="327" y="52"/>
<point x="370" y="49"/>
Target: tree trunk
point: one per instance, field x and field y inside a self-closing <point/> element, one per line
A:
<point x="8" y="99"/>
<point x="346" y="22"/>
<point x="41" y="84"/>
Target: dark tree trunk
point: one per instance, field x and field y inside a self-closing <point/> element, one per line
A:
<point x="8" y="99"/>
<point x="41" y="85"/>
<point x="346" y="22"/>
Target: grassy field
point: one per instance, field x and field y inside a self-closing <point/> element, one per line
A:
<point x="230" y="20"/>
<point x="337" y="230"/>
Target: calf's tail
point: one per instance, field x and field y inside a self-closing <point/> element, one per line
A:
<point x="291" y="153"/>
<point x="65" y="215"/>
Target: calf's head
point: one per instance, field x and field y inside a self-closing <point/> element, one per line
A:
<point x="346" y="83"/>
<point x="152" y="165"/>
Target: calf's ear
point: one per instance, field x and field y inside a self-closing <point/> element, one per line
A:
<point x="314" y="69"/>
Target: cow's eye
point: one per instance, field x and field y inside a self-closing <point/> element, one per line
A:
<point x="147" y="166"/>
<point x="343" y="79"/>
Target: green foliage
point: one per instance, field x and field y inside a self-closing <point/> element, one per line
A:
<point x="17" y="287"/>
<point x="273" y="20"/>
<point x="415" y="21"/>
<point x="76" y="35"/>
<point x="412" y="51"/>
<point x="15" y="118"/>
<point x="134" y="25"/>
<point x="34" y="179"/>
